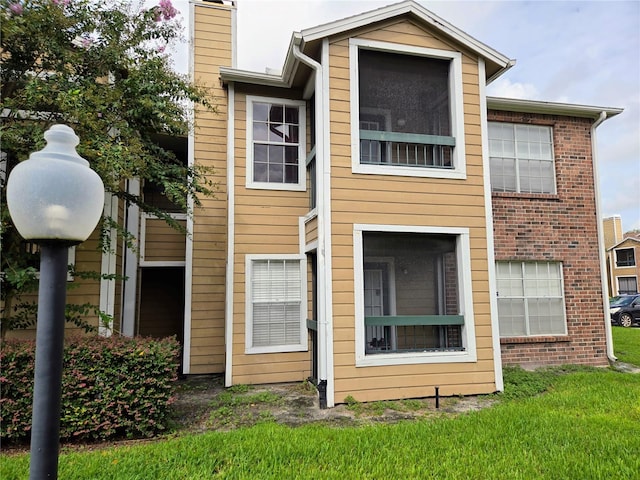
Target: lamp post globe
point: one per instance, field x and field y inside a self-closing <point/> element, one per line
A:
<point x="54" y="195"/>
<point x="54" y="200"/>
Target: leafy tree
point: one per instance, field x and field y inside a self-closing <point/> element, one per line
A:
<point x="102" y="68"/>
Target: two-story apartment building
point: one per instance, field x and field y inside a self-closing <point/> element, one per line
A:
<point x="623" y="268"/>
<point x="381" y="225"/>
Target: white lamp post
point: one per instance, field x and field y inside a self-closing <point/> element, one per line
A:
<point x="55" y="200"/>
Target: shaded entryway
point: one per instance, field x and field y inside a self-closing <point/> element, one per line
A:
<point x="161" y="311"/>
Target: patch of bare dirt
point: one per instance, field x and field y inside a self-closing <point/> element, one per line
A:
<point x="203" y="404"/>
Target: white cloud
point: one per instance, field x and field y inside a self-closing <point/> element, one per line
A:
<point x="503" y="87"/>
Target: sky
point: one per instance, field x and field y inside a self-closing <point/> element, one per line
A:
<point x="565" y="51"/>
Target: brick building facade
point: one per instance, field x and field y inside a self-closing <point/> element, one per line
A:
<point x="557" y="227"/>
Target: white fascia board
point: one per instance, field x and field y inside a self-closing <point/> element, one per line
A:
<point x="245" y="76"/>
<point x="283" y="80"/>
<point x="550" y="108"/>
<point x="617" y="245"/>
<point x="409" y="6"/>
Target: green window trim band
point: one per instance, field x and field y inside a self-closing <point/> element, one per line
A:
<point x="407" y="138"/>
<point x="407" y="320"/>
<point x="312" y="325"/>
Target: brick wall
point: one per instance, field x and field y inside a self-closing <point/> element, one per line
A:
<point x="560" y="227"/>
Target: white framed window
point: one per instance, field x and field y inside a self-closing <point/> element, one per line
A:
<point x="625" y="257"/>
<point x="521" y="158"/>
<point x="275" y="143"/>
<point x="275" y="303"/>
<point x="407" y="110"/>
<point x="530" y="299"/>
<point x="627" y="285"/>
<point x="413" y="297"/>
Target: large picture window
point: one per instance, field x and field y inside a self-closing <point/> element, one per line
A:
<point x="410" y="292"/>
<point x="409" y="110"/>
<point x="521" y="158"/>
<point x="275" y="143"/>
<point x="530" y="299"/>
<point x="276" y="301"/>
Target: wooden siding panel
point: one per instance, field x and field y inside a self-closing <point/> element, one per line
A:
<point x="162" y="242"/>
<point x="210" y="222"/>
<point x="394" y="200"/>
<point x="266" y="222"/>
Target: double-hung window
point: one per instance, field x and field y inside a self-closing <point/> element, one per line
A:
<point x="625" y="257"/>
<point x="275" y="143"/>
<point x="413" y="295"/>
<point x="627" y="285"/>
<point x="276" y="304"/>
<point x="521" y="158"/>
<point x="530" y="299"/>
<point x="406" y="109"/>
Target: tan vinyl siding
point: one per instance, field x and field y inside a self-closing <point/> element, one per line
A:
<point x="266" y="222"/>
<point x="163" y="243"/>
<point x="212" y="49"/>
<point x="395" y="200"/>
<point x="311" y="230"/>
<point x="79" y="291"/>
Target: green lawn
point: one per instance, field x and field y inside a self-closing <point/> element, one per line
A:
<point x="626" y="343"/>
<point x="586" y="426"/>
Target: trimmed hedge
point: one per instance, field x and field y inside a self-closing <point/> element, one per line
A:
<point x="111" y="388"/>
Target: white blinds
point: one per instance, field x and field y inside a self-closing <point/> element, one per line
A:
<point x="276" y="299"/>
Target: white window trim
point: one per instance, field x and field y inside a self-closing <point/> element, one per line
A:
<point x="457" y="111"/>
<point x="526" y="305"/>
<point x="517" y="160"/>
<point x="618" y="277"/>
<point x="302" y="139"/>
<point x="303" y="345"/>
<point x="143" y="239"/>
<point x="635" y="261"/>
<point x="463" y="257"/>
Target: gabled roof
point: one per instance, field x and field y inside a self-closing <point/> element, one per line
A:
<point x="309" y="39"/>
<point x="626" y="239"/>
<point x="496" y="62"/>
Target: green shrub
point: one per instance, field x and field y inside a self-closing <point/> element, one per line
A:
<point x="111" y="387"/>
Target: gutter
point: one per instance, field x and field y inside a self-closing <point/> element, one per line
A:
<point x="601" y="250"/>
<point x="324" y="338"/>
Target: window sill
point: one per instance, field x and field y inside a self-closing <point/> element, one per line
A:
<point x="286" y="187"/>
<point x="530" y="196"/>
<point x="400" y="171"/>
<point x="541" y="339"/>
<point x="276" y="349"/>
<point x="413" y="358"/>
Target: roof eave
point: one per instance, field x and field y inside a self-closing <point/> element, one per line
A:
<point x="550" y="108"/>
<point x="502" y="62"/>
<point x="626" y="239"/>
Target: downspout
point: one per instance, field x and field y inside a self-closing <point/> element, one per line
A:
<point x="601" y="251"/>
<point x="323" y="284"/>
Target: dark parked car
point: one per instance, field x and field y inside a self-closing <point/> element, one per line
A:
<point x="625" y="310"/>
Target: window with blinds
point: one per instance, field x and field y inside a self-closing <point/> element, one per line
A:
<point x="276" y="303"/>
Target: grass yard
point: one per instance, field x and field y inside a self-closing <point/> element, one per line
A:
<point x="586" y="426"/>
<point x="626" y="342"/>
